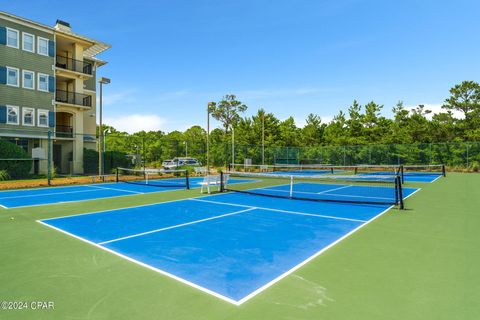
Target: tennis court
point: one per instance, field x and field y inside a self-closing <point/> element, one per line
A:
<point x="53" y="195"/>
<point x="408" y="173"/>
<point x="234" y="245"/>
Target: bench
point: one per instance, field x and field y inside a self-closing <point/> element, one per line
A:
<point x="213" y="181"/>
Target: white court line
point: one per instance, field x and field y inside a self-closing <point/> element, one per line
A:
<point x="436" y="179"/>
<point x="115" y="189"/>
<point x="355" y="196"/>
<point x="191" y="284"/>
<point x="213" y="293"/>
<point x="94" y="199"/>
<point x="177" y="226"/>
<point x="279" y="210"/>
<point x="122" y="208"/>
<point x="326" y="192"/>
<point x="45" y="194"/>
<point x="334" y="189"/>
<point x="304" y="262"/>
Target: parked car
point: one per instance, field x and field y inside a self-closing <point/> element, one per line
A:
<point x="180" y="162"/>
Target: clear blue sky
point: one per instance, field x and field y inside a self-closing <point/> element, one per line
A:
<point x="292" y="57"/>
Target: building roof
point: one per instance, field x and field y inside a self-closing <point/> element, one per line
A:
<point x="96" y="47"/>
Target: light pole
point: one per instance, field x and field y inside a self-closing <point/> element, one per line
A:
<point x="263" y="138"/>
<point x="233" y="144"/>
<point x="186" y="148"/>
<point x="210" y="105"/>
<point x="102" y="81"/>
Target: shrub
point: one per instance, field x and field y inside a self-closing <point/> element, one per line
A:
<point x="475" y="166"/>
<point x="4" y="175"/>
<point x="15" y="169"/>
<point x="112" y="159"/>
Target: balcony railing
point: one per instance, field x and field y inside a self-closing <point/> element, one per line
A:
<point x="74" y="65"/>
<point x="79" y="99"/>
<point x="63" y="131"/>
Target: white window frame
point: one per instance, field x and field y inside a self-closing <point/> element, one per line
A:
<point x="38" y="46"/>
<point x="18" y="115"/>
<point x="23" y="42"/>
<point x="38" y="82"/>
<point x="18" y="76"/>
<point x="18" y="38"/>
<point x="33" y="79"/>
<point x="25" y="110"/>
<point x="39" y="113"/>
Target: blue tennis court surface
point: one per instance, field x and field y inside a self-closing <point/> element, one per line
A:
<point x="305" y="172"/>
<point x="412" y="176"/>
<point x="408" y="176"/>
<point x="231" y="245"/>
<point x="42" y="196"/>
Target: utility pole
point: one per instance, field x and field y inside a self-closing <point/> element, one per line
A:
<point x="263" y="138"/>
<point x="233" y="144"/>
<point x="102" y="81"/>
<point x="210" y="104"/>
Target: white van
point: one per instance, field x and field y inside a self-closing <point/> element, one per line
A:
<point x="179" y="162"/>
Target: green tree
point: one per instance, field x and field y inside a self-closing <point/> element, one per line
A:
<point x="464" y="97"/>
<point x="227" y="111"/>
<point x="312" y="132"/>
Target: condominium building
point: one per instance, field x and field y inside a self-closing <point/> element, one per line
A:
<point x="48" y="84"/>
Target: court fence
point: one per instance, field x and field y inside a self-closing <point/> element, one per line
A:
<point x="48" y="157"/>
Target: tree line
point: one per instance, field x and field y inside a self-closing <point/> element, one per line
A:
<point x="359" y="125"/>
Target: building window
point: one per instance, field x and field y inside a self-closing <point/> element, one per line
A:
<point x="12" y="38"/>
<point x="12" y="76"/>
<point x="28" y="42"/>
<point x="28" y="116"/>
<point x="28" y="79"/>
<point x="12" y="115"/>
<point x="42" y="118"/>
<point x="43" y="82"/>
<point x="42" y="46"/>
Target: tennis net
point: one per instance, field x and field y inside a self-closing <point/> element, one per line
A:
<point x="314" y="169"/>
<point x="419" y="170"/>
<point x="308" y="169"/>
<point x="154" y="177"/>
<point x="375" y="189"/>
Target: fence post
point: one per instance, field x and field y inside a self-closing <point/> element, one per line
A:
<point x="49" y="158"/>
<point x="431" y="153"/>
<point x="468" y="155"/>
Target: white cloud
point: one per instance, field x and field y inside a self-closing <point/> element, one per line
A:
<point x="136" y="122"/>
<point x="113" y="98"/>
<point x="437" y="108"/>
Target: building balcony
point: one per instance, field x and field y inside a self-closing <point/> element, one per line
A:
<point x="74" y="65"/>
<point x="73" y="98"/>
<point x="62" y="131"/>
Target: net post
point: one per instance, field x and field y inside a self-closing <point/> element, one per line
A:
<point x="398" y="187"/>
<point x="291" y="187"/>
<point x="444" y="172"/>
<point x="222" y="182"/>
<point x="331" y="170"/>
<point x="187" y="179"/>
<point x="402" y="173"/>
<point x="355" y="170"/>
<point x="116" y="175"/>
